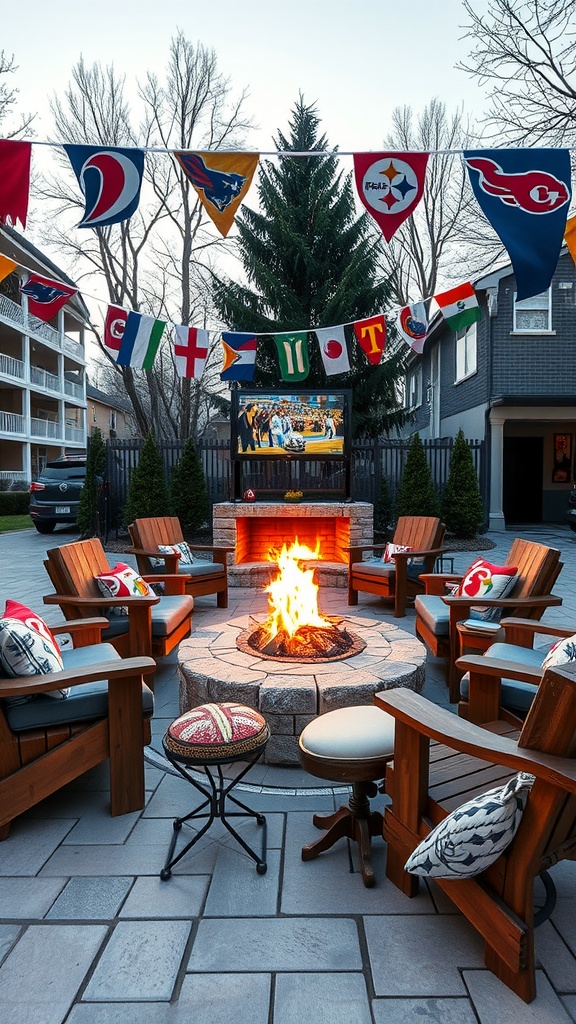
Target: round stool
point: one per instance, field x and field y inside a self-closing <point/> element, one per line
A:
<point x="351" y="745"/>
<point x="208" y="737"/>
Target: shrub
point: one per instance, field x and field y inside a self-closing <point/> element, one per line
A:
<point x="416" y="494"/>
<point x="188" y="491"/>
<point x="462" y="507"/>
<point x="14" y="503"/>
<point x="383" y="509"/>
<point x="147" y="492"/>
<point x="88" y="520"/>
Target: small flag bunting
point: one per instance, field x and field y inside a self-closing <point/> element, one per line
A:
<point x="390" y="185"/>
<point x="190" y="351"/>
<point x="14" y="180"/>
<point x="371" y="336"/>
<point x="140" y="341"/>
<point x="293" y="355"/>
<point x="413" y="323"/>
<point x="221" y="180"/>
<point x="333" y="349"/>
<point x="110" y="180"/>
<point x="459" y="306"/>
<point x="45" y="297"/>
<point x="6" y="266"/>
<point x="238" y="356"/>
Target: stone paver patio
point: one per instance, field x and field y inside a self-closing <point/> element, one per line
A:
<point x="90" y="935"/>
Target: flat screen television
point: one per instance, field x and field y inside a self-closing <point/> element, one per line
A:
<point x="273" y="423"/>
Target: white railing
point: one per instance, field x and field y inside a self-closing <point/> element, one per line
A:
<point x="45" y="428"/>
<point x="44" y="379"/>
<point x="14" y="476"/>
<point x="12" y="367"/>
<point x="14" y="314"/>
<point x="74" y="390"/>
<point x="11" y="423"/>
<point x="74" y="434"/>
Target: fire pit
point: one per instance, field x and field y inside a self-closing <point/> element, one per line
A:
<point x="296" y="663"/>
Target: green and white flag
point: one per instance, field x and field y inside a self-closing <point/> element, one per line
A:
<point x="459" y="306"/>
<point x="293" y="356"/>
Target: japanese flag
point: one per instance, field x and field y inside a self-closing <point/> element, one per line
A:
<point x="333" y="350"/>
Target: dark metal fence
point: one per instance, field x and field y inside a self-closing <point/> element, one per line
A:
<point x="371" y="462"/>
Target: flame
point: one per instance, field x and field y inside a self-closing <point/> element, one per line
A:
<point x="292" y="594"/>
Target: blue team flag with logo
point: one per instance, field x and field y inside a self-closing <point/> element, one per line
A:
<point x="110" y="180"/>
<point x="525" y="194"/>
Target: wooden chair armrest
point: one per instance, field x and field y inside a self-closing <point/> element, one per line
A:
<point x="364" y="547"/>
<point x="175" y="582"/>
<point x="24" y="686"/>
<point x="434" y="582"/>
<point x="210" y="547"/>
<point x="100" y="602"/>
<point x="498" y="668"/>
<point x="532" y="626"/>
<point x="436" y="723"/>
<point x="544" y="601"/>
<point x="144" y="551"/>
<point x="75" y="626"/>
<point x="419" y="554"/>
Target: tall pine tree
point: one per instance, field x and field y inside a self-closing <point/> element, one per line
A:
<point x="311" y="261"/>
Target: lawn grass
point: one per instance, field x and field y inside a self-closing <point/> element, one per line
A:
<point x="8" y="523"/>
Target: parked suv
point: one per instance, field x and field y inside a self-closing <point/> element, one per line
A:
<point x="571" y="513"/>
<point x="54" y="497"/>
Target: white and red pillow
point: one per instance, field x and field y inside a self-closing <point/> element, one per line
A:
<point x="561" y="653"/>
<point x="393" y="549"/>
<point x="27" y="647"/>
<point x="122" y="581"/>
<point x="485" y="580"/>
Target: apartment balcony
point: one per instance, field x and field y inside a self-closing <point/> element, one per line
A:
<point x="13" y="314"/>
<point x="74" y="390"/>
<point x="51" y="429"/>
<point x="12" y="423"/>
<point x="10" y="367"/>
<point x="44" y="379"/>
<point x="75" y="435"/>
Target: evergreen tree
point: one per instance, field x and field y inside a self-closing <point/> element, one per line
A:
<point x="383" y="509"/>
<point x="147" y="492"/>
<point x="462" y="507"/>
<point x="310" y="261"/>
<point x="188" y="491"/>
<point x="89" y="507"/>
<point x="416" y="494"/>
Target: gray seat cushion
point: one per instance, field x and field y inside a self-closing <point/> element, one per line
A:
<point x="379" y="569"/>
<point x="201" y="568"/>
<point x="87" y="701"/>
<point x="357" y="733"/>
<point x="514" y="694"/>
<point x="166" y="616"/>
<point x="434" y="613"/>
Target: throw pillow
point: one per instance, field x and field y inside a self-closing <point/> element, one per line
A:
<point x="561" y="653"/>
<point x="392" y="549"/>
<point x="483" y="579"/>
<point x="474" y="835"/>
<point x="181" y="549"/>
<point x="122" y="581"/>
<point x="27" y="648"/>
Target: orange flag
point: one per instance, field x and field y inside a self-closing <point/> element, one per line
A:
<point x="570" y="236"/>
<point x="6" y="266"/>
<point x="221" y="180"/>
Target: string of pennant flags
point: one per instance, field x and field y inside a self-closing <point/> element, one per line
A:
<point x="524" y="193"/>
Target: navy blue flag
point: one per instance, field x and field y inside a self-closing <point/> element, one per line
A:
<point x="110" y="180"/>
<point x="525" y="194"/>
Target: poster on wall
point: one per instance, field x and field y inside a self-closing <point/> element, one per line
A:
<point x="562" y="469"/>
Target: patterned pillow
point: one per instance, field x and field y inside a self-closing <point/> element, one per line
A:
<point x="122" y="581"/>
<point x="392" y="549"/>
<point x="27" y="648"/>
<point x="471" y="838"/>
<point x="561" y="653"/>
<point x="181" y="550"/>
<point x="211" y="732"/>
<point x="483" y="579"/>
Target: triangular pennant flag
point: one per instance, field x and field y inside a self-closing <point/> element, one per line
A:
<point x="114" y="327"/>
<point x="140" y="341"/>
<point x="221" y="180"/>
<point x="459" y="306"/>
<point x="333" y="349"/>
<point x="110" y="180"/>
<point x="412" y="324"/>
<point x="570" y="236"/>
<point x="45" y="297"/>
<point x="6" y="266"/>
<point x="390" y="186"/>
<point x="190" y="351"/>
<point x="371" y="336"/>
<point x="525" y="194"/>
<point x="293" y="355"/>
<point x="14" y="181"/>
<point x="238" y="356"/>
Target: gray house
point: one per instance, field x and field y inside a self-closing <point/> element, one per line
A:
<point x="511" y="380"/>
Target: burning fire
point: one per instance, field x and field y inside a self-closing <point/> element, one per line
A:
<point x="293" y="595"/>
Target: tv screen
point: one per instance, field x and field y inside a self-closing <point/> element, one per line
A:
<point x="310" y="424"/>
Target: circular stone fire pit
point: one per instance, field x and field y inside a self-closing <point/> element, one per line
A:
<point x="289" y="694"/>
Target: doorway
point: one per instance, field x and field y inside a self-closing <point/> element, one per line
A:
<point x="522" y="483"/>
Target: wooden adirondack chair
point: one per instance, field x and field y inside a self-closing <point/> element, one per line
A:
<point x="428" y="779"/>
<point x="204" y="577"/>
<point x="437" y="614"/>
<point x="153" y="625"/>
<point x="400" y="580"/>
<point x="43" y="745"/>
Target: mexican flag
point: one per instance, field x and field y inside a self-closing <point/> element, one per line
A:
<point x="459" y="306"/>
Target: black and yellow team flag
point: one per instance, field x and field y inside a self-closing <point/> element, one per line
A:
<point x="221" y="180"/>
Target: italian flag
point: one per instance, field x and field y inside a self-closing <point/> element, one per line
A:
<point x="459" y="306"/>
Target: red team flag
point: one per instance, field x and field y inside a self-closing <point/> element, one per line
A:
<point x="114" y="326"/>
<point x="45" y="296"/>
<point x="390" y="186"/>
<point x="14" y="180"/>
<point x="371" y="336"/>
<point x="190" y="351"/>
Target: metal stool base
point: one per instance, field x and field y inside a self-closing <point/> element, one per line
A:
<point x="215" y="802"/>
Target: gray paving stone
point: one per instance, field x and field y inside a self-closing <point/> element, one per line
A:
<point x="180" y="896"/>
<point x="555" y="957"/>
<point x="423" y="1011"/>
<point x="122" y="860"/>
<point x="29" y="846"/>
<point x="321" y="998"/>
<point x="237" y="890"/>
<point x="564" y="919"/>
<point x="140" y="962"/>
<point x="435" y="947"/>
<point x="124" y="1013"/>
<point x="8" y="936"/>
<point x="41" y="976"/>
<point x="83" y="899"/>
<point x="223" y="999"/>
<point x="277" y="944"/>
<point x="28" y="897"/>
<point x="97" y="826"/>
<point x="496" y="1004"/>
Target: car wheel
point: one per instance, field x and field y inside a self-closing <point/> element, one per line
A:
<point x="45" y="527"/>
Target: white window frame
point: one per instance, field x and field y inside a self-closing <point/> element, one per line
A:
<point x="466" y="353"/>
<point x="414" y="388"/>
<point x="535" y="303"/>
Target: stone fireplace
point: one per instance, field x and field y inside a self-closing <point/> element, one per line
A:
<point x="253" y="529"/>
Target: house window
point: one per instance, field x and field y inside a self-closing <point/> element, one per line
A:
<point x="414" y="388"/>
<point x="113" y="419"/>
<point x="535" y="313"/>
<point x="466" y="353"/>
